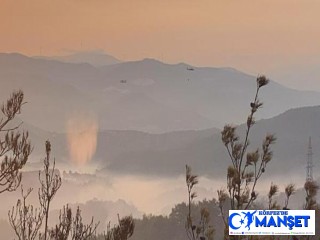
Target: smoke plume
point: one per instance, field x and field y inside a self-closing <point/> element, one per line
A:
<point x="82" y="138"/>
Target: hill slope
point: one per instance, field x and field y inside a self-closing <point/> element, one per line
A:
<point x="133" y="152"/>
<point x="143" y="95"/>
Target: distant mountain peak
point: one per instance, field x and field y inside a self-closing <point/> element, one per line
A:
<point x="12" y="55"/>
<point x="151" y="61"/>
<point x="95" y="58"/>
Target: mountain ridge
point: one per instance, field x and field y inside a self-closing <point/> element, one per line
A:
<point x="165" y="154"/>
<point x="145" y="95"/>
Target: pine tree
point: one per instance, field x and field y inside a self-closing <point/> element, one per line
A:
<point x="15" y="146"/>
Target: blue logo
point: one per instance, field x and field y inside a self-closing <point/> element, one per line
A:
<point x="274" y="222"/>
<point x="249" y="215"/>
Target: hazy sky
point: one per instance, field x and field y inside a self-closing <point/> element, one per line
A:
<point x="277" y="37"/>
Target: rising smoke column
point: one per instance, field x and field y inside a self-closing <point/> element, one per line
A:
<point x="82" y="138"/>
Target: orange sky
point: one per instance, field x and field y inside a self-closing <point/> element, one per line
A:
<point x="252" y="35"/>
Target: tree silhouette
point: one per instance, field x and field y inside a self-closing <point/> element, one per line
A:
<point x="289" y="191"/>
<point x="122" y="231"/>
<point x="70" y="227"/>
<point x="62" y="230"/>
<point x="311" y="189"/>
<point x="272" y="204"/>
<point x="203" y="230"/>
<point x="15" y="147"/>
<point x="247" y="167"/>
<point x="25" y="219"/>
<point x="191" y="181"/>
<point x="50" y="183"/>
<point x="81" y="231"/>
